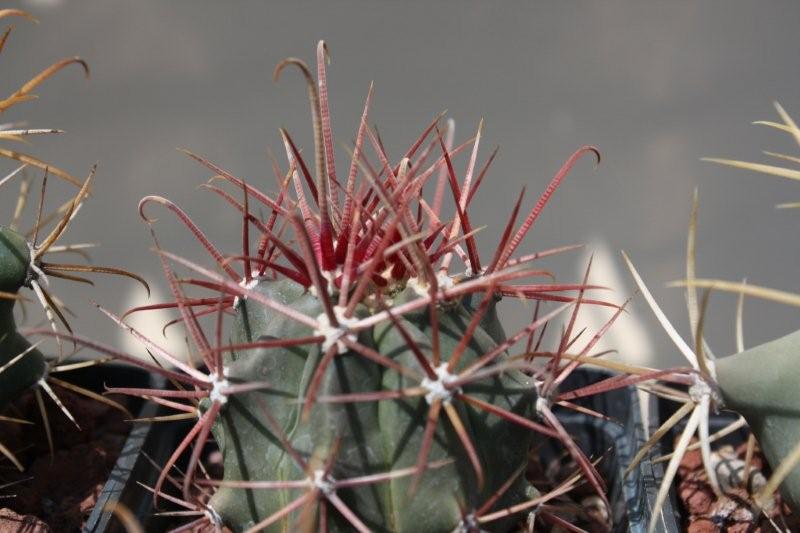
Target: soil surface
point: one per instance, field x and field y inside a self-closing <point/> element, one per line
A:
<point x="580" y="507"/>
<point x="706" y="513"/>
<point x="57" y="492"/>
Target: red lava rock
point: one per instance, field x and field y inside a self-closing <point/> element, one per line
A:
<point x="11" y="522"/>
<point x="741" y="494"/>
<point x="742" y="527"/>
<point x="692" y="460"/>
<point x="702" y="525"/>
<point x="731" y="514"/>
<point x="696" y="497"/>
<point x="733" y="509"/>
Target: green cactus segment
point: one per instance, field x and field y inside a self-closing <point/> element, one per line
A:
<point x="251" y="449"/>
<point x="762" y="385"/>
<point x="27" y="370"/>
<point x="15" y="259"/>
<point x="17" y="376"/>
<point x="502" y="446"/>
<point x="367" y="437"/>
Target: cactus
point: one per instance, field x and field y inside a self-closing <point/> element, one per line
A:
<point x="759" y="383"/>
<point x="22" y="262"/>
<point x="365" y="386"/>
<point x="19" y="371"/>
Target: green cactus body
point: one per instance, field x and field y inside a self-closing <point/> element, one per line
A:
<point x="14" y="272"/>
<point x="761" y="384"/>
<point x="366" y="437"/>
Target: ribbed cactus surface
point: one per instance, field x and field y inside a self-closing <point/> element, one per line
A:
<point x="369" y="437"/>
<point x="19" y="371"/>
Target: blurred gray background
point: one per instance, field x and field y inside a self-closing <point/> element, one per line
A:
<point x="655" y="87"/>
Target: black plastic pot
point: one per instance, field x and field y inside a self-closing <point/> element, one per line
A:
<point x="131" y="465"/>
<point x="617" y="440"/>
<point x="633" y="497"/>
